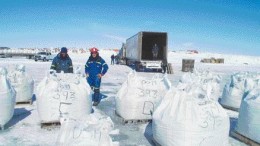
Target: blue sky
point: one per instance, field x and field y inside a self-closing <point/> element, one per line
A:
<point x="224" y="26"/>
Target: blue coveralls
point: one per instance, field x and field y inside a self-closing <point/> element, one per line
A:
<point x="93" y="67"/>
<point x="62" y="64"/>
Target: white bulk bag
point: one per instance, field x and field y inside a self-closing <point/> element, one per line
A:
<point x="249" y="116"/>
<point x="190" y="119"/>
<point x="214" y="89"/>
<point x="7" y="98"/>
<point x="63" y="95"/>
<point x="200" y="76"/>
<point x="251" y="83"/>
<point x="90" y="131"/>
<point x="211" y="88"/>
<point x="233" y="92"/>
<point x="22" y="83"/>
<point x="139" y="96"/>
<point x="238" y="87"/>
<point x="203" y="78"/>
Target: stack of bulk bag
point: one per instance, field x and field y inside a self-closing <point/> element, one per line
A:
<point x="237" y="88"/>
<point x="139" y="96"/>
<point x="22" y="83"/>
<point x="91" y="131"/>
<point x="190" y="118"/>
<point x="7" y="98"/>
<point x="63" y="95"/>
<point x="249" y="116"/>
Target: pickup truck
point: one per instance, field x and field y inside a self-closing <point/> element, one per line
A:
<point x="44" y="56"/>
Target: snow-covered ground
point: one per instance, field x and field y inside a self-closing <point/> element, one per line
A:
<point x="24" y="128"/>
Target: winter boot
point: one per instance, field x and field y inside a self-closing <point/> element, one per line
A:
<point x="96" y="99"/>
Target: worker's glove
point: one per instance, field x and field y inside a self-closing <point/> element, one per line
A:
<point x="100" y="76"/>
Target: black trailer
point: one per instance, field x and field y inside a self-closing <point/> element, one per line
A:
<point x="146" y="50"/>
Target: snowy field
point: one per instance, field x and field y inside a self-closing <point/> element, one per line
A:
<point x="24" y="128"/>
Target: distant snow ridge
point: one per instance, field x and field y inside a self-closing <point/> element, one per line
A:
<point x="139" y="96"/>
<point x="189" y="118"/>
<point x="238" y="87"/>
<point x="249" y="119"/>
<point x="63" y="95"/>
<point x="22" y="83"/>
<point x="7" y="97"/>
<point x="90" y="130"/>
<point x="202" y="79"/>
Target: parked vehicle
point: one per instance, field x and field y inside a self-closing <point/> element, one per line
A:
<point x="44" y="56"/>
<point x="145" y="50"/>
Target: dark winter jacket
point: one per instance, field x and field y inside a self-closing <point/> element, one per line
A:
<point x="112" y="57"/>
<point x="62" y="64"/>
<point x="95" y="66"/>
<point x="164" y="62"/>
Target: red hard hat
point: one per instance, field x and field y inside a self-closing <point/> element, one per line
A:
<point x="93" y="50"/>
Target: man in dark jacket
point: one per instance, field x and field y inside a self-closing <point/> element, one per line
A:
<point x="164" y="65"/>
<point x="95" y="68"/>
<point x="112" y="59"/>
<point x="62" y="62"/>
<point x="155" y="50"/>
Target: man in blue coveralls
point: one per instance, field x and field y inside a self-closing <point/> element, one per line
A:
<point x="95" y="69"/>
<point x="62" y="62"/>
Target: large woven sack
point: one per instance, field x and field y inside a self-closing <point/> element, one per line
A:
<point x="7" y="97"/>
<point x="22" y="83"/>
<point x="249" y="116"/>
<point x="89" y="131"/>
<point x="238" y="87"/>
<point x="63" y="95"/>
<point x="203" y="78"/>
<point x="139" y="96"/>
<point x="190" y="118"/>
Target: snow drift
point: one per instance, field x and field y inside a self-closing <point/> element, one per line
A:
<point x="189" y="117"/>
<point x="63" y="95"/>
<point x="240" y="84"/>
<point x="91" y="131"/>
<point x="139" y="96"/>
<point x="22" y="83"/>
<point x="7" y="97"/>
<point x="249" y="119"/>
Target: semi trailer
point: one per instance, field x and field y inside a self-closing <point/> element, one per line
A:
<point x="146" y="50"/>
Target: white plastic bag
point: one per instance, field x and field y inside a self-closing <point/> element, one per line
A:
<point x="22" y="83"/>
<point x="139" y="96"/>
<point x="190" y="118"/>
<point x="90" y="131"/>
<point x="63" y="95"/>
<point x="249" y="116"/>
<point x="7" y="97"/>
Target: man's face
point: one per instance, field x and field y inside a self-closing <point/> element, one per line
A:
<point x="63" y="55"/>
<point x="94" y="55"/>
